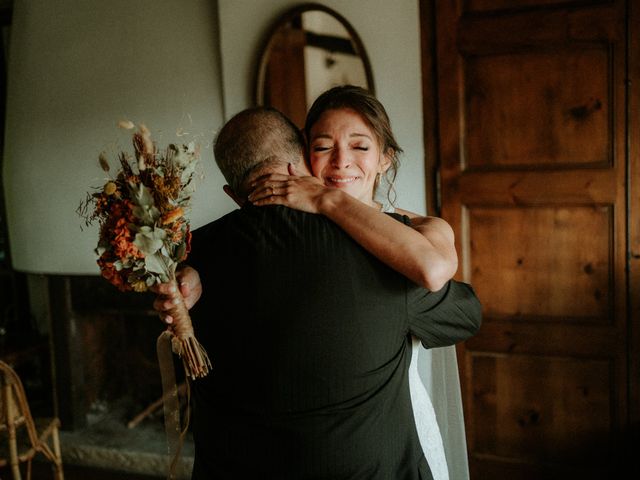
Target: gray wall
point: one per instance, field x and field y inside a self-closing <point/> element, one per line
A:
<point x="77" y="67"/>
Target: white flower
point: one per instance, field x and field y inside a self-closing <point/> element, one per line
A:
<point x="126" y="124"/>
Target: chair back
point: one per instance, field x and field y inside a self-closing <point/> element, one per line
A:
<point x="14" y="409"/>
<point x="23" y="438"/>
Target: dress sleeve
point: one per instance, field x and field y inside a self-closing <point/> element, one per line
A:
<point x="446" y="317"/>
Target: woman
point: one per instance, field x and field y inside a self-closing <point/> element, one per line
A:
<point x="350" y="148"/>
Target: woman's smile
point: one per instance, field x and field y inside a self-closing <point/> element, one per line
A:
<point x="339" y="182"/>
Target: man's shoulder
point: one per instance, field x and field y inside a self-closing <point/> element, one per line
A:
<point x="203" y="231"/>
<point x="251" y="215"/>
<point x="275" y="218"/>
<point x="217" y="222"/>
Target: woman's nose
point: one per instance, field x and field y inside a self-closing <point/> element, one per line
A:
<point x="340" y="158"/>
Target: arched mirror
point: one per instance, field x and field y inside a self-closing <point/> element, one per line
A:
<point x="310" y="49"/>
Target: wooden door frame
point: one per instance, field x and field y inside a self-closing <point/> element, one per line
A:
<point x="429" y="105"/>
<point x="431" y="139"/>
<point x="633" y="147"/>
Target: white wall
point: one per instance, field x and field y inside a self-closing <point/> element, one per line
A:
<point x="390" y="31"/>
<point x="76" y="68"/>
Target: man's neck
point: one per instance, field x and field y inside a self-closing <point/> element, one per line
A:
<point x="264" y="171"/>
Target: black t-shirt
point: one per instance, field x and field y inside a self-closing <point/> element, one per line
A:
<point x="308" y="336"/>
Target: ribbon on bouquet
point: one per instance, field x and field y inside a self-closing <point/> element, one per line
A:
<point x="178" y="339"/>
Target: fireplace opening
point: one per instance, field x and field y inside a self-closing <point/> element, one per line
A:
<point x="105" y="379"/>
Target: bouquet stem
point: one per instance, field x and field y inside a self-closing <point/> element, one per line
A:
<point x="184" y="343"/>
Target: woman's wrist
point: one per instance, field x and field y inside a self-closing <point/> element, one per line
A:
<point x="330" y="200"/>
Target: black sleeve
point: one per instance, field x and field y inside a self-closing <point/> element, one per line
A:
<point x="442" y="318"/>
<point x="198" y="259"/>
<point x="200" y="246"/>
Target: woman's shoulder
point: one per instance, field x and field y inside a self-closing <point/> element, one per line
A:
<point x="426" y="221"/>
<point x="407" y="213"/>
<point x="421" y="218"/>
<point x="389" y="208"/>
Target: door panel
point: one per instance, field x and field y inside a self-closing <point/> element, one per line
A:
<point x="547" y="246"/>
<point x="535" y="108"/>
<point x="540" y="416"/>
<point x="533" y="162"/>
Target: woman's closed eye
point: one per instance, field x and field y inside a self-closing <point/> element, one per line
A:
<point x="363" y="146"/>
<point x="321" y="148"/>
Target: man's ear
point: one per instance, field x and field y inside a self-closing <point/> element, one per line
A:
<point x="300" y="168"/>
<point x="239" y="200"/>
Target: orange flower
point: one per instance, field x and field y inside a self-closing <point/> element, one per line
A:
<point x="125" y="249"/>
<point x="102" y="204"/>
<point x="109" y="272"/>
<point x="123" y="246"/>
<point x="188" y="245"/>
<point x="176" y="231"/>
<point x="172" y="216"/>
<point x="121" y="209"/>
<point x="176" y="237"/>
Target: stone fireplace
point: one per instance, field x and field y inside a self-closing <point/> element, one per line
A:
<point x="105" y="374"/>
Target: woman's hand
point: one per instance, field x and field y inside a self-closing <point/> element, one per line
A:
<point x="301" y="193"/>
<point x="167" y="294"/>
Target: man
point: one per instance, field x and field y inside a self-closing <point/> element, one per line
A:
<point x="307" y="332"/>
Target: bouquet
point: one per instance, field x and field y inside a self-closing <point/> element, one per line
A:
<point x="144" y="233"/>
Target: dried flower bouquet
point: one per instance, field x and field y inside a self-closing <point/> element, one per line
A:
<point x="144" y="233"/>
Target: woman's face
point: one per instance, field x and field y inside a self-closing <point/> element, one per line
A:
<point x="345" y="153"/>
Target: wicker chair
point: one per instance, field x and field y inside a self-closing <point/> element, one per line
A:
<point x="25" y="437"/>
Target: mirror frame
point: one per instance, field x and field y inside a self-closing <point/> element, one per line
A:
<point x="263" y="58"/>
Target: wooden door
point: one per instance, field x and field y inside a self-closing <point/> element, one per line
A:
<point x="532" y="128"/>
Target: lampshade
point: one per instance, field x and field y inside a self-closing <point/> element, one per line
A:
<point x="76" y="68"/>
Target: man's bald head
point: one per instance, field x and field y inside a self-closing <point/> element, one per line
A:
<point x="254" y="139"/>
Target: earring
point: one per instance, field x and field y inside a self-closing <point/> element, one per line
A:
<point x="377" y="180"/>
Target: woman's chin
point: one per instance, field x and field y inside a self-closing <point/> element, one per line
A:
<point x="353" y="190"/>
